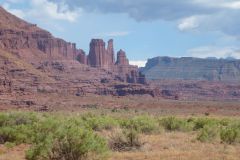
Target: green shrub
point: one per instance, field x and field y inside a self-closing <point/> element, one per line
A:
<point x="69" y="142"/>
<point x="208" y="133"/>
<point x="16" y="134"/>
<point x="202" y="122"/>
<point x="98" y="123"/>
<point x="230" y="135"/>
<point x="18" y="118"/>
<point x="176" y="124"/>
<point x="143" y="124"/>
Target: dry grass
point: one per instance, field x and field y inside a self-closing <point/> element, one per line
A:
<point x="180" y="146"/>
<point x="167" y="146"/>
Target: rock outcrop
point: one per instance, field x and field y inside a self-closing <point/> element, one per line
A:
<point x="81" y="56"/>
<point x="99" y="56"/>
<point x="187" y="68"/>
<point x="17" y="35"/>
<point x="40" y="40"/>
<point x="32" y="61"/>
<point x="110" y="53"/>
<point x="122" y="59"/>
<point x="104" y="58"/>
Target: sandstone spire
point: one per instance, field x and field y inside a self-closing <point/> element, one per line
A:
<point x="110" y="53"/>
<point x="121" y="58"/>
<point x="97" y="53"/>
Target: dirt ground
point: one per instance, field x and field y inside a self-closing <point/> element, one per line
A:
<point x="158" y="106"/>
<point x="180" y="146"/>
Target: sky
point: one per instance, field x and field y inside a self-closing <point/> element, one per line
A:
<point x="143" y="28"/>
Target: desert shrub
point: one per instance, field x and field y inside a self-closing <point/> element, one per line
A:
<point x="176" y="124"/>
<point x="16" y="134"/>
<point x="200" y="123"/>
<point x="225" y="122"/>
<point x="230" y="134"/>
<point x="18" y="118"/>
<point x="69" y="142"/>
<point x="125" y="140"/>
<point x="99" y="123"/>
<point x="144" y="124"/>
<point x="209" y="133"/>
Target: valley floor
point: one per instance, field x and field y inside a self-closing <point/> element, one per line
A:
<point x="167" y="146"/>
<point x="164" y="145"/>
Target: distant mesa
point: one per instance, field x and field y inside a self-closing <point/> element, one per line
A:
<point x="187" y="68"/>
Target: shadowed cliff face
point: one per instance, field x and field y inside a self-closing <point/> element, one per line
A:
<point x="187" y="68"/>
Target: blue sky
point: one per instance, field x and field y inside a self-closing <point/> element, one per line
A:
<point x="143" y="28"/>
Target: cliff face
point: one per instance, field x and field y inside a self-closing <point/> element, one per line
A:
<point x="187" y="68"/>
<point x="17" y="35"/>
<point x="39" y="40"/>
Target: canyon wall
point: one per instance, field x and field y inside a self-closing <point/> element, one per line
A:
<point x="39" y="40"/>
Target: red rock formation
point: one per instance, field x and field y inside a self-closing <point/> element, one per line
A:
<point x="122" y="59"/>
<point x="100" y="57"/>
<point x="39" y="40"/>
<point x="35" y="45"/>
<point x="81" y="56"/>
<point x="97" y="53"/>
<point x="110" y="53"/>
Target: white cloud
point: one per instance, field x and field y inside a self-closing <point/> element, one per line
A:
<point x="58" y="11"/>
<point x="44" y="10"/>
<point x="17" y="12"/>
<point x="214" y="51"/>
<point x="112" y="34"/>
<point x="138" y="63"/>
<point x="231" y="5"/>
<point x="188" y="23"/>
<point x="200" y="15"/>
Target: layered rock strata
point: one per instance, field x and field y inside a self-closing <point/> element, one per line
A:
<point x="188" y="68"/>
